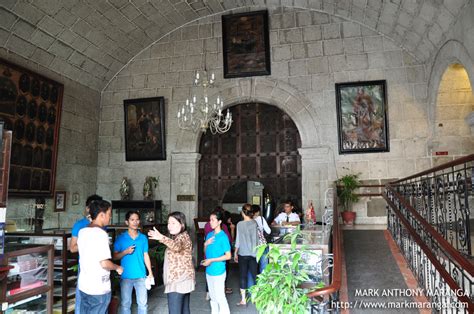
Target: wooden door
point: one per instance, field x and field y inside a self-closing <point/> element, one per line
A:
<point x="262" y="145"/>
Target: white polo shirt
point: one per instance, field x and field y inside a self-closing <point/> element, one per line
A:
<point x="282" y="217"/>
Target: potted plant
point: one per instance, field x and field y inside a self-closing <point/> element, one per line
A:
<point x="278" y="288"/>
<point x="345" y="192"/>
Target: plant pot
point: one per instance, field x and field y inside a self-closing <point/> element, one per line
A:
<point x="114" y="305"/>
<point x="348" y="217"/>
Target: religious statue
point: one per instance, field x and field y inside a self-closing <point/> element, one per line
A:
<point x="125" y="189"/>
<point x="148" y="187"/>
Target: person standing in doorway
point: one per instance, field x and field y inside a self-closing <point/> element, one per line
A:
<point x="131" y="248"/>
<point x="217" y="250"/>
<point x="82" y="223"/>
<point x="178" y="268"/>
<point x="95" y="263"/>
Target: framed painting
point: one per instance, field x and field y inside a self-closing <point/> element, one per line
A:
<point x="246" y="44"/>
<point x="60" y="201"/>
<point x="145" y="129"/>
<point x="362" y="117"/>
<point x="30" y="106"/>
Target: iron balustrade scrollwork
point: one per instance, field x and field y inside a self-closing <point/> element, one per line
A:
<point x="428" y="217"/>
<point x="441" y="196"/>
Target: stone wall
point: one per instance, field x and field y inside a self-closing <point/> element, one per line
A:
<point x="77" y="150"/>
<point x="310" y="51"/>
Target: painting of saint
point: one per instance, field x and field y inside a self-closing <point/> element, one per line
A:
<point x="144" y="129"/>
<point x="362" y="117"/>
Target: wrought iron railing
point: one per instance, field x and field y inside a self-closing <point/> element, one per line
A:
<point x="441" y="196"/>
<point x="428" y="217"/>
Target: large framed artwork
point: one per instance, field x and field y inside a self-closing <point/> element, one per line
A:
<point x="362" y="117"/>
<point x="145" y="129"/>
<point x="30" y="105"/>
<point x="246" y="44"/>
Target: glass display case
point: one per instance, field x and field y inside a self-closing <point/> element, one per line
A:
<point x="316" y="238"/>
<point x="27" y="287"/>
<point x="65" y="263"/>
<point x="150" y="211"/>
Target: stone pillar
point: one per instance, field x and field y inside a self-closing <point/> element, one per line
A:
<point x="315" y="176"/>
<point x="184" y="181"/>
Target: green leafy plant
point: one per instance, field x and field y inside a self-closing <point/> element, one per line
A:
<point x="278" y="287"/>
<point x="345" y="190"/>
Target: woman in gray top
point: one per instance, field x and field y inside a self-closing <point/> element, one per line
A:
<point x="245" y="244"/>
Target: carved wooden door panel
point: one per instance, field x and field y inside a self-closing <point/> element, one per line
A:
<point x="262" y="145"/>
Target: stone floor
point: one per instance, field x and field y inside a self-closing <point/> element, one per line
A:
<point x="157" y="302"/>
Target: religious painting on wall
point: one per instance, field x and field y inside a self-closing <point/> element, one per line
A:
<point x="362" y="117"/>
<point x="30" y="105"/>
<point x="246" y="44"/>
<point x="145" y="129"/>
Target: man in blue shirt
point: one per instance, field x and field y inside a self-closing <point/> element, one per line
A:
<point x="132" y="248"/>
<point x="82" y="223"/>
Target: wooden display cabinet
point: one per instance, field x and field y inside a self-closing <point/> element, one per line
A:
<point x="28" y="284"/>
<point x="65" y="263"/>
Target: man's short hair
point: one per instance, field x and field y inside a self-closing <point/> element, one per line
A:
<point x="93" y="197"/>
<point x="97" y="207"/>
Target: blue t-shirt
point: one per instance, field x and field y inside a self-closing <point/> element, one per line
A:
<point x="133" y="264"/>
<point x="217" y="248"/>
<point x="84" y="222"/>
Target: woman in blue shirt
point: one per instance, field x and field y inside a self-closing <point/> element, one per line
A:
<point x="217" y="249"/>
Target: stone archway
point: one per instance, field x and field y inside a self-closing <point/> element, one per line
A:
<point x="452" y="52"/>
<point x="262" y="146"/>
<point x="314" y="155"/>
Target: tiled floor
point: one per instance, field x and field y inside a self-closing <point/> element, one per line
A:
<point x="157" y="302"/>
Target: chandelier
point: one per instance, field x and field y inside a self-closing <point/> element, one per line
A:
<point x="200" y="112"/>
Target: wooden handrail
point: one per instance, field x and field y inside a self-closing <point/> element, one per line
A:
<point x="453" y="163"/>
<point x="337" y="265"/>
<point x="444" y="244"/>
<point x="442" y="271"/>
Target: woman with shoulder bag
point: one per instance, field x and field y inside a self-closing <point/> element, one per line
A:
<point x="265" y="231"/>
<point x="245" y="250"/>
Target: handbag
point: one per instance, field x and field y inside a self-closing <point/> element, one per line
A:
<point x="260" y="237"/>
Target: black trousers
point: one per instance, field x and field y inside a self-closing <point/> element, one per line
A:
<point x="247" y="264"/>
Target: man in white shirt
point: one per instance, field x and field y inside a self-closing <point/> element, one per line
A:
<point x="95" y="263"/>
<point x="287" y="217"/>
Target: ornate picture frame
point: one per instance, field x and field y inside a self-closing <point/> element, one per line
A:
<point x="145" y="137"/>
<point x="30" y="105"/>
<point x="246" y="44"/>
<point x="362" y="117"/>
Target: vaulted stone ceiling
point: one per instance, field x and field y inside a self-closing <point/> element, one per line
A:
<point x="89" y="41"/>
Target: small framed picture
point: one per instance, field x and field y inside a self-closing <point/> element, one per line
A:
<point x="75" y="199"/>
<point x="60" y="201"/>
<point x="256" y="200"/>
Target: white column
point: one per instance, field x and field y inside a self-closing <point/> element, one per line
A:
<point x="184" y="181"/>
<point x="315" y="176"/>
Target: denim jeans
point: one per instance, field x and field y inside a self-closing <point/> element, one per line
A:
<point x="126" y="289"/>
<point x="77" y="308"/>
<point x="178" y="303"/>
<point x="95" y="304"/>
<point x="263" y="262"/>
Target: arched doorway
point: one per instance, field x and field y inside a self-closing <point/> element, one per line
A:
<point x="262" y="146"/>
<point x="455" y="101"/>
